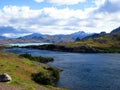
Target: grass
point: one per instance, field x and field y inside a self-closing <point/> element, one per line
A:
<point x="21" y="69"/>
<point x="108" y="43"/>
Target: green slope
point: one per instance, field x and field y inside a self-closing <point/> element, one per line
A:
<point x="104" y="43"/>
<point x="107" y="43"/>
<point x="20" y="69"/>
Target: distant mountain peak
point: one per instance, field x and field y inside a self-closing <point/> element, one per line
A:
<point x="116" y="30"/>
<point x="36" y="34"/>
<point x="33" y="35"/>
<point x="79" y="34"/>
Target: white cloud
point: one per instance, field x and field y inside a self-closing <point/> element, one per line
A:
<point x="98" y="3"/>
<point x="14" y="35"/>
<point x="39" y="1"/>
<point x="109" y="6"/>
<point x="54" y="21"/>
<point x="62" y="2"/>
<point x="115" y="1"/>
<point x="20" y="12"/>
<point x="6" y="35"/>
<point x="68" y="2"/>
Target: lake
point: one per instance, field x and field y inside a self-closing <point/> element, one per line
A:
<point x="27" y="44"/>
<point x="82" y="71"/>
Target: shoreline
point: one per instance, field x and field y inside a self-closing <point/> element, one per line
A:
<point x="48" y="70"/>
<point x="81" y="49"/>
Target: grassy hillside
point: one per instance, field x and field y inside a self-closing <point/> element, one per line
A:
<point x="21" y="69"/>
<point x="108" y="43"/>
<point x="104" y="43"/>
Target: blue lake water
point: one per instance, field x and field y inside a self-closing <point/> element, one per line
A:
<point x="82" y="71"/>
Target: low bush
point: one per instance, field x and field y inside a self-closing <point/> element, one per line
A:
<point x="37" y="58"/>
<point x="42" y="78"/>
<point x="48" y="78"/>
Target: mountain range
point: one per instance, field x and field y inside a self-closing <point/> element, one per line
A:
<point x="59" y="38"/>
<point x="117" y="30"/>
<point x="96" y="43"/>
<point x="37" y="37"/>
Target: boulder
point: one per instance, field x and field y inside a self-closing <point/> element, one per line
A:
<point x="5" y="77"/>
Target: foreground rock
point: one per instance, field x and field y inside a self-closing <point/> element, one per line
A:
<point x="5" y="77"/>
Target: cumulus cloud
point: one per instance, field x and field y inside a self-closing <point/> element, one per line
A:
<point x="98" y="3"/>
<point x="115" y="1"/>
<point x="14" y="35"/>
<point x="109" y="6"/>
<point x="55" y="21"/>
<point x="34" y="20"/>
<point x="39" y="1"/>
<point x="62" y="2"/>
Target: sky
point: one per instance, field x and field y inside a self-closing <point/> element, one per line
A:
<point x="22" y="17"/>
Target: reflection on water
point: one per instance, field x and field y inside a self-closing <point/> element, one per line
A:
<point x="83" y="71"/>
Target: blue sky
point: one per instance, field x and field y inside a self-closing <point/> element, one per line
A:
<point x="33" y="5"/>
<point x="58" y="16"/>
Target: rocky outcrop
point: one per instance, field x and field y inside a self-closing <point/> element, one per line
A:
<point x="5" y="77"/>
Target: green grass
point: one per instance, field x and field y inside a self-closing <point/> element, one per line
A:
<point x="21" y="69"/>
<point x="106" y="43"/>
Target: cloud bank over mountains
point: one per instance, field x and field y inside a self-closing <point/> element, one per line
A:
<point x="103" y="15"/>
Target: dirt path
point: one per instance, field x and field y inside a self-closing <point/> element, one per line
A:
<point x="4" y="86"/>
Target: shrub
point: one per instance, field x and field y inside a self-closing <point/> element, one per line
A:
<point x="42" y="78"/>
<point x="55" y="72"/>
<point x="37" y="58"/>
<point x="48" y="78"/>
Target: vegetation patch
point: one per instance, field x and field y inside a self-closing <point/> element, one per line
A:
<point x="21" y="71"/>
<point x="47" y="79"/>
<point x="37" y="58"/>
<point x="51" y="74"/>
